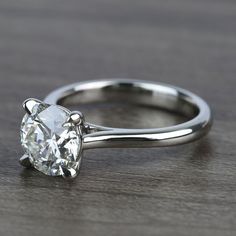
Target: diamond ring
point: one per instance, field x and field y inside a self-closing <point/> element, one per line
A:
<point x="54" y="138"/>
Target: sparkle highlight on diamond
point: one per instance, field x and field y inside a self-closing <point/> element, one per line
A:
<point x="53" y="146"/>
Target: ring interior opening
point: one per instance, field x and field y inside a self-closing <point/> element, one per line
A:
<point x="158" y="97"/>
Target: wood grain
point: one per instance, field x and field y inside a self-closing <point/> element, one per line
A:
<point x="184" y="190"/>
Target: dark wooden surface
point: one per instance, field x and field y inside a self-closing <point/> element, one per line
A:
<point x="184" y="190"/>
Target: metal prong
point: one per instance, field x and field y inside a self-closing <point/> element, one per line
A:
<point x="29" y="104"/>
<point x="76" y="118"/>
<point x="69" y="173"/>
<point x="24" y="161"/>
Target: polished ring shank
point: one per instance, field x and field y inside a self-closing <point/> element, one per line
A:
<point x="140" y="92"/>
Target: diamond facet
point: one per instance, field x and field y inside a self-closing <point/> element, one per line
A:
<point x="53" y="146"/>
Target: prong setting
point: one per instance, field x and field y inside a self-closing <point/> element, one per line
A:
<point x="29" y="104"/>
<point x="69" y="173"/>
<point x="76" y="118"/>
<point x="24" y="161"/>
<point x="58" y="132"/>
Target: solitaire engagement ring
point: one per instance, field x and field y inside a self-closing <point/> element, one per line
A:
<point x="54" y="138"/>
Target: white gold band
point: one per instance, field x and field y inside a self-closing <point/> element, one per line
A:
<point x="141" y="92"/>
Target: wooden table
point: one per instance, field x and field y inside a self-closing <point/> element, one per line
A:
<point x="184" y="190"/>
